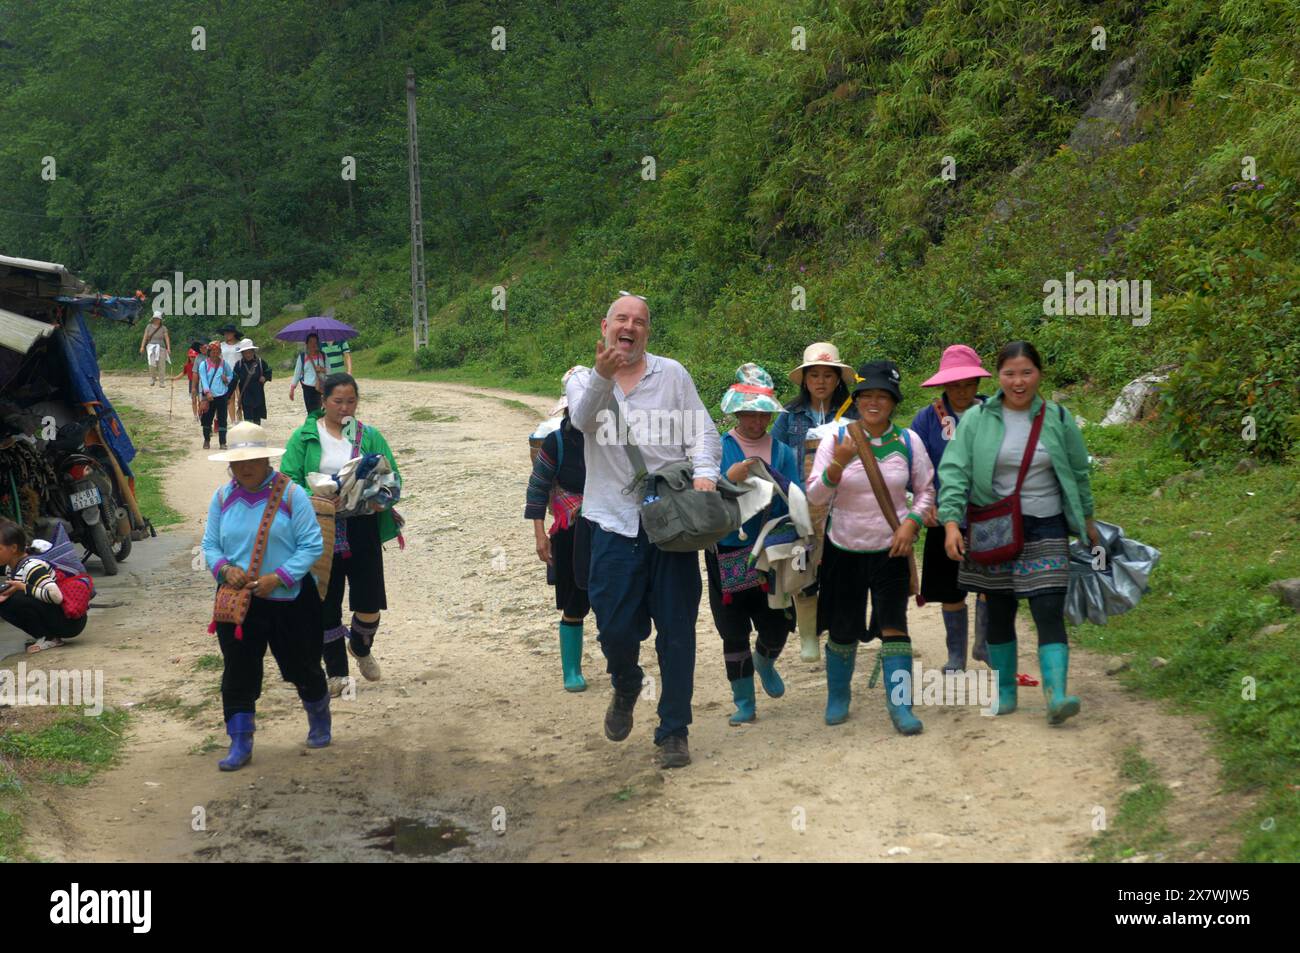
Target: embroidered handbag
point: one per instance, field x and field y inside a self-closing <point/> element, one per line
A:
<point x="996" y="532"/>
<point x="737" y="572"/>
<point x="232" y="604"/>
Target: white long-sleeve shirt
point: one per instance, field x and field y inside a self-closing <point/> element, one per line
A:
<point x="667" y="420"/>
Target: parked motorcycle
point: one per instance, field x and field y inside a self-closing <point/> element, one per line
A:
<point x="91" y="508"/>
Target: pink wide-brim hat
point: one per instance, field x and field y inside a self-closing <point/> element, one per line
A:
<point x="959" y="363"/>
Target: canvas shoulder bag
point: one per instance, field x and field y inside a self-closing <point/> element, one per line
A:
<point x="231" y="603"/>
<point x="676" y="517"/>
<point x="996" y="532"/>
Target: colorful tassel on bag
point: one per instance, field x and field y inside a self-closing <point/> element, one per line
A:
<point x="212" y="627"/>
<point x="239" y="632"/>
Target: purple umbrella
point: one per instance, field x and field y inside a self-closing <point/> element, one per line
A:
<point x="327" y="329"/>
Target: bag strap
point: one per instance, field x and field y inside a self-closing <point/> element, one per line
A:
<point x="1030" y="445"/>
<point x="356" y="440"/>
<point x="278" y="486"/>
<point x="862" y="445"/>
<point x="639" y="471"/>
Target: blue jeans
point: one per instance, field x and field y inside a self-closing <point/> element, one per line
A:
<point x="632" y="583"/>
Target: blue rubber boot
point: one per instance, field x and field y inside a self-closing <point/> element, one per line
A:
<point x="980" y="652"/>
<point x="742" y="693"/>
<point x="571" y="656"/>
<point x="767" y="673"/>
<point x="240" y="729"/>
<point x="1002" y="659"/>
<point x="840" y="660"/>
<point x="1054" y="660"/>
<point x="896" y="660"/>
<point x="318" y="722"/>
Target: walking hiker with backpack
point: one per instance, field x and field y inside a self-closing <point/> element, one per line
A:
<point x="823" y="382"/>
<point x="156" y="345"/>
<point x="959" y="375"/>
<point x="869" y="536"/>
<point x="556" y="483"/>
<point x="737" y="590"/>
<point x="45" y="590"/>
<point x="261" y="540"/>
<point x="1017" y="472"/>
<point x="633" y="582"/>
<point x="214" y="387"/>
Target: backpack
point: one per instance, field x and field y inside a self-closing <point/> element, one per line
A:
<point x="77" y="590"/>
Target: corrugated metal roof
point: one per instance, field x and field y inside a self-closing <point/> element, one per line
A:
<point x="19" y="334"/>
<point x="32" y="265"/>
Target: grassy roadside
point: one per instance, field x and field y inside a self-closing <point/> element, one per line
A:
<point x="1209" y="638"/>
<point x="1138" y="827"/>
<point x="153" y="450"/>
<point x="57" y="745"/>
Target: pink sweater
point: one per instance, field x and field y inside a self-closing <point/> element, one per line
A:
<point x="856" y="521"/>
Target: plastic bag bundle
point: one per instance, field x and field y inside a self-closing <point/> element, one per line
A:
<point x="1096" y="594"/>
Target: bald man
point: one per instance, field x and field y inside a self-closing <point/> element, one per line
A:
<point x="632" y="582"/>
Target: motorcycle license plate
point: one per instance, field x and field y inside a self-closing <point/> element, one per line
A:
<point x="84" y="499"/>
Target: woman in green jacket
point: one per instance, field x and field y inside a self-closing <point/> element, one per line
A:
<point x="325" y="442"/>
<point x="980" y="467"/>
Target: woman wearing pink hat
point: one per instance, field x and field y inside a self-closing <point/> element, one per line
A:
<point x="959" y="375"/>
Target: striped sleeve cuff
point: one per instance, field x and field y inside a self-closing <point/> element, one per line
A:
<point x="216" y="570"/>
<point x="285" y="578"/>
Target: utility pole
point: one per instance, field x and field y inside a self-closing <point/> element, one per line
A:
<point x="419" y="303"/>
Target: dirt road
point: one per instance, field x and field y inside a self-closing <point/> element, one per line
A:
<point x="470" y="724"/>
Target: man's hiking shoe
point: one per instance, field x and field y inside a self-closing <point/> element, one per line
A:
<point x="674" y="752"/>
<point x="336" y="684"/>
<point x="618" y="717"/>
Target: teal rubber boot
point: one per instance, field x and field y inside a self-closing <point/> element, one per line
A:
<point x="742" y="693"/>
<point x="896" y="659"/>
<point x="840" y="661"/>
<point x="1002" y="659"/>
<point x="767" y="673"/>
<point x="571" y="656"/>
<point x="1054" y="660"/>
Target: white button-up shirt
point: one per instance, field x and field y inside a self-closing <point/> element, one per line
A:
<point x="667" y="421"/>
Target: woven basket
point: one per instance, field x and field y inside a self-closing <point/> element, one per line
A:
<point x="321" y="568"/>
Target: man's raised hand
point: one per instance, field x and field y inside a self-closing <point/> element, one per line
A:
<point x="609" y="360"/>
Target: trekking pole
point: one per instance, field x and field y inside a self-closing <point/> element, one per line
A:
<point x="171" y="398"/>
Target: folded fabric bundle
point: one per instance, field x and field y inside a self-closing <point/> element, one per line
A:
<point x="361" y="481"/>
<point x="1095" y="594"/>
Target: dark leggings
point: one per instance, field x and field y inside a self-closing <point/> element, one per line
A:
<point x="217" y="406"/>
<point x="310" y="397"/>
<point x="40" y="620"/>
<point x="291" y="630"/>
<point x="1049" y="617"/>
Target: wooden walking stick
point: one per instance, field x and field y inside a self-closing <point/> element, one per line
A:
<point x="171" y="398"/>
<point x="863" y="446"/>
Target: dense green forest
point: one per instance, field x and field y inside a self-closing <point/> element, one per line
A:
<point x="710" y="155"/>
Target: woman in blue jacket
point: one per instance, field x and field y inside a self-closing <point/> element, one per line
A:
<point x="737" y="596"/>
<point x="284" y="613"/>
<point x="959" y="375"/>
<point x="823" y="382"/>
